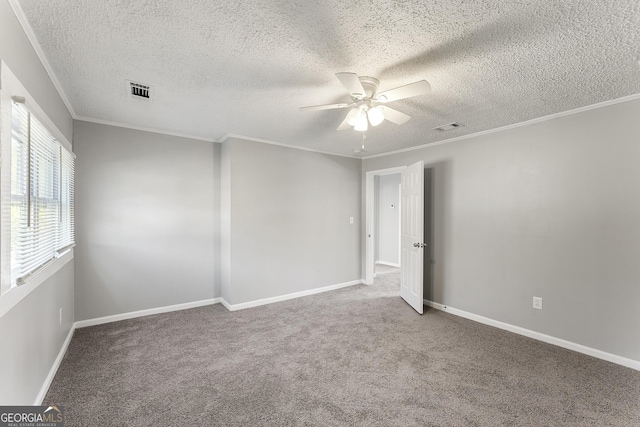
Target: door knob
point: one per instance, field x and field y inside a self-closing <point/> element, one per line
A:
<point x="419" y="245"/>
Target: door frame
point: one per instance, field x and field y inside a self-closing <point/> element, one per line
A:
<point x="369" y="231"/>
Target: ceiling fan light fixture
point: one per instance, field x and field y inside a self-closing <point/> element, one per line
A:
<point x="366" y="104"/>
<point x="354" y="116"/>
<point x="375" y="116"/>
<point x="362" y="124"/>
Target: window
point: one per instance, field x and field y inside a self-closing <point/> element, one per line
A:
<point x="42" y="185"/>
<point x="36" y="194"/>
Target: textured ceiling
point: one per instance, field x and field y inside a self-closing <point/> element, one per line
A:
<point x="245" y="66"/>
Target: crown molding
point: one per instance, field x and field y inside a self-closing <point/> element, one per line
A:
<point x="26" y="27"/>
<point x="295" y="147"/>
<point x="143" y="129"/>
<point x="513" y="126"/>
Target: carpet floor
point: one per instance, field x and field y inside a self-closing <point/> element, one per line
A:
<point x="386" y="269"/>
<point x="359" y="356"/>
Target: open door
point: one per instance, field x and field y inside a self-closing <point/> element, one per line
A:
<point x="412" y="235"/>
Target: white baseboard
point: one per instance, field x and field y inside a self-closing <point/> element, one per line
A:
<point x="390" y="264"/>
<point x="148" y="312"/>
<point x="599" y="354"/>
<point x="264" y="301"/>
<point x="225" y="304"/>
<point x="54" y="368"/>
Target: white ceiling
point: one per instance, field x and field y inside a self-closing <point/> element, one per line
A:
<point x="245" y="66"/>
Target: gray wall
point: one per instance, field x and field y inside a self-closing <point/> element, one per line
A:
<point x="428" y="235"/>
<point x="145" y="220"/>
<point x="225" y="220"/>
<point x="550" y="210"/>
<point x="217" y="208"/>
<point x="30" y="334"/>
<point x="288" y="211"/>
<point x="31" y="338"/>
<point x="388" y="219"/>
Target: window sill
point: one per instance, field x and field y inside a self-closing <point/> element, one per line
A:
<point x="16" y="294"/>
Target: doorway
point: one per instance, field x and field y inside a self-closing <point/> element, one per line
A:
<point x="371" y="231"/>
<point x="386" y="235"/>
<point x="371" y="225"/>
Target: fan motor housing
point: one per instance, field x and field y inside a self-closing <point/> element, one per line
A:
<point x="370" y="85"/>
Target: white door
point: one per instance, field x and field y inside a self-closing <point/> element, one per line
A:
<point x="411" y="239"/>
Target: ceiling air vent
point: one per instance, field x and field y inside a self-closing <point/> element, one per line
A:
<point x="139" y="90"/>
<point x="448" y="126"/>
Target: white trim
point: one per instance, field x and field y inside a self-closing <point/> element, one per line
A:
<point x="26" y="27"/>
<point x="390" y="264"/>
<point x="225" y="304"/>
<point x="264" y="301"/>
<point x="279" y="144"/>
<point x="369" y="220"/>
<point x="599" y="354"/>
<point x="143" y="129"/>
<point x="54" y="368"/>
<point x="388" y="171"/>
<point x="142" y="313"/>
<point x="13" y="296"/>
<point x="513" y="126"/>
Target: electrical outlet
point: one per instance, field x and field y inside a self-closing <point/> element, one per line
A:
<point x="350" y="220"/>
<point x="537" y="303"/>
<point x="60" y="316"/>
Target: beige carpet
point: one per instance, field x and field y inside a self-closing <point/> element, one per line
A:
<point x="386" y="269"/>
<point x="358" y="356"/>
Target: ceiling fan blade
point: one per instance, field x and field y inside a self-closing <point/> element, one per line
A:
<point x="324" y="107"/>
<point x="345" y="124"/>
<point x="352" y="83"/>
<point x="407" y="91"/>
<point x="349" y="120"/>
<point x="394" y="116"/>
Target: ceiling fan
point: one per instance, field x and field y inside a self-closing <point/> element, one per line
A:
<point x="367" y="106"/>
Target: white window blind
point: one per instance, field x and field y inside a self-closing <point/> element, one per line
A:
<point x="66" y="237"/>
<point x="42" y="195"/>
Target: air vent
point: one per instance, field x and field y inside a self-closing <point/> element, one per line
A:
<point x="139" y="90"/>
<point x="448" y="126"/>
